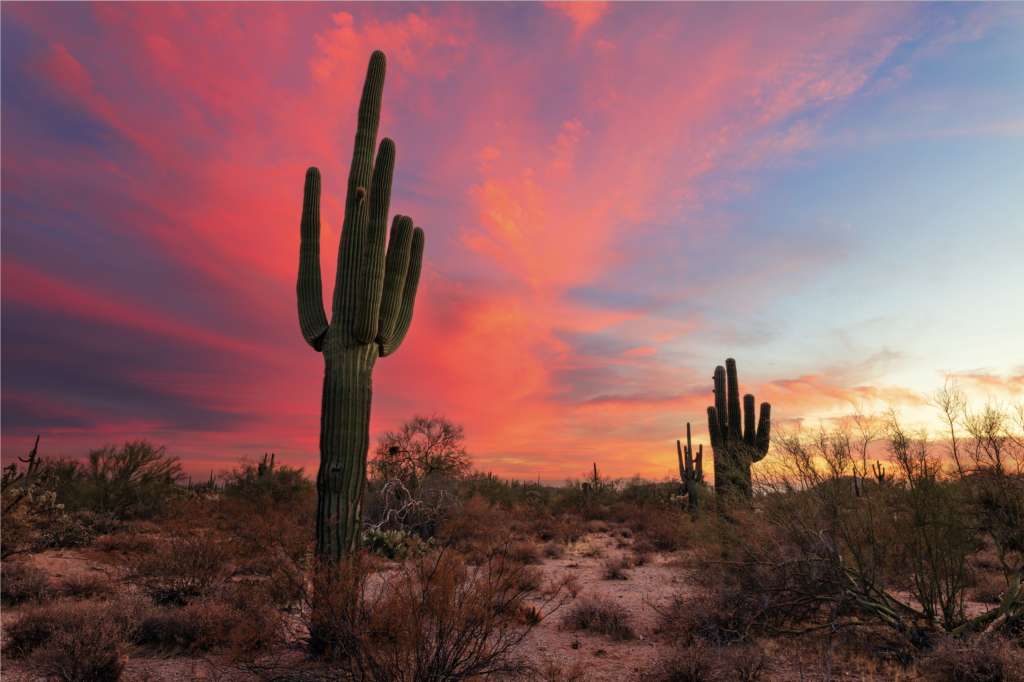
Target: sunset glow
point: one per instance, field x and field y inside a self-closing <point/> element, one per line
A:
<point x="616" y="198"/>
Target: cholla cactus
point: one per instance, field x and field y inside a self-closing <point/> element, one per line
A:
<point x="735" y="452"/>
<point x="22" y="497"/>
<point x="692" y="472"/>
<point x="371" y="312"/>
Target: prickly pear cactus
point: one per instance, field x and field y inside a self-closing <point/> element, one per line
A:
<point x="735" y="452"/>
<point x="371" y="312"/>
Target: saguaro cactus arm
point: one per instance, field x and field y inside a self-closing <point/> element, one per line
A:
<point x="312" y="320"/>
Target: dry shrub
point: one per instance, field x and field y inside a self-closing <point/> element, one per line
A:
<point x="596" y="527"/>
<point x="85" y="586"/>
<point x="988" y="588"/>
<point x="982" y="658"/>
<point x="571" y="528"/>
<point x="93" y="651"/>
<point x="477" y="519"/>
<point x="41" y="626"/>
<point x="749" y="663"/>
<point x="714" y="614"/>
<point x="524" y="553"/>
<point x="663" y="532"/>
<point x="693" y="664"/>
<point x="529" y="615"/>
<point x="111" y="545"/>
<point x="200" y="626"/>
<point x="554" y="551"/>
<point x="183" y="565"/>
<point x="600" y="615"/>
<point x="640" y="557"/>
<point x="21" y="583"/>
<point x="643" y="546"/>
<point x="435" y="617"/>
<point x="566" y="583"/>
<point x="567" y="672"/>
<point x="615" y="568"/>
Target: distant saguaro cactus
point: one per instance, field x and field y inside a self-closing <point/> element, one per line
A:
<point x="692" y="472"/>
<point x="371" y="312"/>
<point x="32" y="473"/>
<point x="735" y="453"/>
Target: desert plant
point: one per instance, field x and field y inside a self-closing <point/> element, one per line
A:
<point x="735" y="451"/>
<point x="23" y="502"/>
<point x="424" y="447"/>
<point x="370" y="315"/>
<point x="114" y="623"/>
<point x="264" y="480"/>
<point x="137" y="479"/>
<point x="434" y="618"/>
<point x="979" y="658"/>
<point x="395" y="544"/>
<point x="78" y="529"/>
<point x="600" y="615"/>
<point x="183" y="565"/>
<point x="692" y="473"/>
<point x="21" y="583"/>
<point x="694" y="664"/>
<point x="615" y="569"/>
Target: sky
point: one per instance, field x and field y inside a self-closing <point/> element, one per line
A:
<point x="616" y="198"/>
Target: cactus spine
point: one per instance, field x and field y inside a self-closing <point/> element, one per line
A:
<point x="734" y="452"/>
<point x="693" y="471"/>
<point x="371" y="312"/>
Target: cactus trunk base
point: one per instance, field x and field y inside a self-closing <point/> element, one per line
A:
<point x="344" y="443"/>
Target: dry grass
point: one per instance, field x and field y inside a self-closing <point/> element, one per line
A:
<point x="600" y="615"/>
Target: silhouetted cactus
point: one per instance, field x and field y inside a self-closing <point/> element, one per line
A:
<point x="371" y="312"/>
<point x="692" y="472"/>
<point x="264" y="468"/>
<point x="32" y="472"/>
<point x="734" y="452"/>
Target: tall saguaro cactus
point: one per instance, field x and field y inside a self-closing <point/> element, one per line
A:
<point x="371" y="312"/>
<point x="692" y="472"/>
<point x="734" y="452"/>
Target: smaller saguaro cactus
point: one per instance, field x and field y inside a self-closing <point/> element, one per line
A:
<point x="735" y="451"/>
<point x="692" y="472"/>
<point x="33" y="465"/>
<point x="265" y="468"/>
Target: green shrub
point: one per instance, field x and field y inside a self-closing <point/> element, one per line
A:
<point x="136" y="480"/>
<point x="253" y="481"/>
